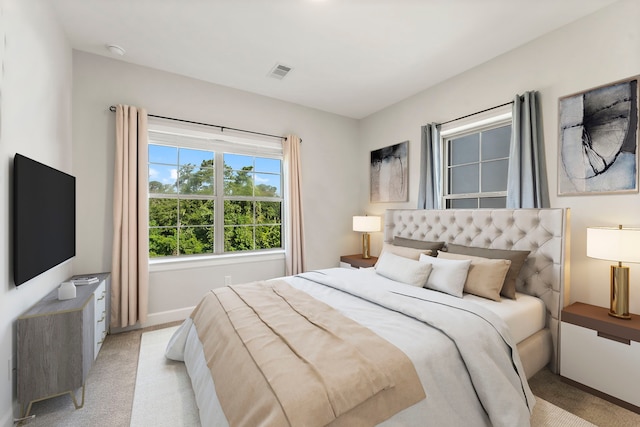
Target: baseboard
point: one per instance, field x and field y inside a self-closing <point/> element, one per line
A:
<point x="159" y="318"/>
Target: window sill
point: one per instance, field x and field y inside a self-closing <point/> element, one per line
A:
<point x="186" y="262"/>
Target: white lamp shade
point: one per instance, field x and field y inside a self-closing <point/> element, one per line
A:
<point x="614" y="244"/>
<point x="366" y="224"/>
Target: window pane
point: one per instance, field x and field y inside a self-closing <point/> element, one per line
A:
<point x="196" y="157"/>
<point x="268" y="237"/>
<point x="196" y="180"/>
<point x="196" y="212"/>
<point x="496" y="143"/>
<point x="196" y="240"/>
<point x="163" y="154"/>
<point x="267" y="185"/>
<point x="462" y="203"/>
<point x="163" y="242"/>
<point x="163" y="212"/>
<point x="465" y="149"/>
<point x="238" y="183"/>
<point x="237" y="212"/>
<point x="494" y="175"/>
<point x="162" y="179"/>
<point x="493" y="202"/>
<point x="464" y="179"/>
<point x="238" y="238"/>
<point x="238" y="162"/>
<point x="268" y="213"/>
<point x="268" y="165"/>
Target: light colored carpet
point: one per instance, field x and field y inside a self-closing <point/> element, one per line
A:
<point x="164" y="397"/>
<point x="545" y="414"/>
<point x="163" y="394"/>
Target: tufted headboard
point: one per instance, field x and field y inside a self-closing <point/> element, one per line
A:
<point x="544" y="232"/>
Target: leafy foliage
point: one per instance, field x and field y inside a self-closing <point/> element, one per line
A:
<point x="182" y="213"/>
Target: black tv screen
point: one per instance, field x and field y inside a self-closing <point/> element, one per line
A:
<point x="44" y="218"/>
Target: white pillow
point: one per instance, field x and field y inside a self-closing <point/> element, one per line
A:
<point x="403" y="269"/>
<point x="447" y="275"/>
<point x="404" y="251"/>
<point x="485" y="276"/>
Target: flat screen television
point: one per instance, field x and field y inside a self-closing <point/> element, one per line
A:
<point x="44" y="218"/>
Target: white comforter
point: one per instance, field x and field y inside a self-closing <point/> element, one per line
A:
<point x="463" y="353"/>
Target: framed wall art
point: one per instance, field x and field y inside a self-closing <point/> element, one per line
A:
<point x="598" y="140"/>
<point x="389" y="173"/>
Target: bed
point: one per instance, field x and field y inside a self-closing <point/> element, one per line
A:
<point x="417" y="356"/>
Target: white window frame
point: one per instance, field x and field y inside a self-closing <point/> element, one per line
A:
<point x="186" y="136"/>
<point x="478" y="123"/>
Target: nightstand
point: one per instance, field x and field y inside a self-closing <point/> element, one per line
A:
<point x="356" y="261"/>
<point x="600" y="353"/>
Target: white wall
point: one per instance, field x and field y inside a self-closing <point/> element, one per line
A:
<point x="329" y="144"/>
<point x="596" y="50"/>
<point x="35" y="120"/>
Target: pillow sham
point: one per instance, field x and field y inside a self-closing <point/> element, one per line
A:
<point x="411" y="253"/>
<point x="401" y="269"/>
<point x="517" y="259"/>
<point x="417" y="244"/>
<point x="485" y="277"/>
<point x="447" y="275"/>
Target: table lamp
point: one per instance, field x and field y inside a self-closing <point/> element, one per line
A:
<point x="621" y="245"/>
<point x="366" y="224"/>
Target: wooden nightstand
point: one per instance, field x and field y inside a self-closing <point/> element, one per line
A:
<point x="356" y="261"/>
<point x="600" y="353"/>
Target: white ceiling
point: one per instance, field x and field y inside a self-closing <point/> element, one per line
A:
<point x="349" y="57"/>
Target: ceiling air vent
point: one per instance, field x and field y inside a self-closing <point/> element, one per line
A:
<point x="279" y="71"/>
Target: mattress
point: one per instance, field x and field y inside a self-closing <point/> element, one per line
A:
<point x="524" y="316"/>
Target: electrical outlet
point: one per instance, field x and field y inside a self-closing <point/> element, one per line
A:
<point x="227" y="280"/>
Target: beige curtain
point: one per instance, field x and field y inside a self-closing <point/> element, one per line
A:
<point x="294" y="262"/>
<point x="130" y="265"/>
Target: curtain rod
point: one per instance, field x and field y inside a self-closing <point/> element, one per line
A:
<point x="222" y="128"/>
<point x="473" y="114"/>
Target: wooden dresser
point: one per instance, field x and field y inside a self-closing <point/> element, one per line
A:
<point x="59" y="340"/>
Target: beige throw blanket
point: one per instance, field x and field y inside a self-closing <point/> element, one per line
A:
<point x="279" y="357"/>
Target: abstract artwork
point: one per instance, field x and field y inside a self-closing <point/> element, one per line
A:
<point x="389" y="173"/>
<point x="598" y="140"/>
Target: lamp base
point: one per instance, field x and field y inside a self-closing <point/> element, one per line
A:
<point x="619" y="292"/>
<point x="620" y="316"/>
<point x="365" y="246"/>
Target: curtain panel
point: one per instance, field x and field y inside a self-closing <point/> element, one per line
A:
<point x="294" y="249"/>
<point x="527" y="185"/>
<point x="430" y="185"/>
<point x="130" y="257"/>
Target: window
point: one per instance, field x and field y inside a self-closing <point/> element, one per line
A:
<point x="476" y="161"/>
<point x="213" y="196"/>
<point x="252" y="203"/>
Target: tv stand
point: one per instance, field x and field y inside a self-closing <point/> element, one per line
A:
<point x="59" y="340"/>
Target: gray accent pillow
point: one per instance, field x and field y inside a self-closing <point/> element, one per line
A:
<point x="418" y="244"/>
<point x="403" y="251"/>
<point x="517" y="259"/>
